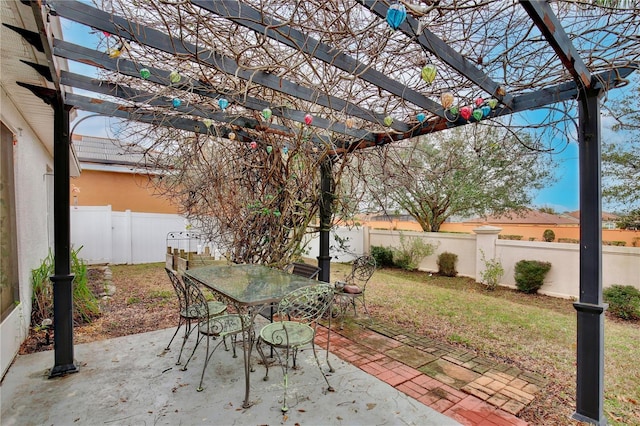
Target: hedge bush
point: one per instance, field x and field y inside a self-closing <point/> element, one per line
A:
<point x="447" y="264"/>
<point x="529" y="275"/>
<point x="623" y="300"/>
<point x="383" y="256"/>
<point x="548" y="235"/>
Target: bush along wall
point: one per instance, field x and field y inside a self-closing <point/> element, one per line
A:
<point x="447" y="264"/>
<point x="623" y="300"/>
<point x="529" y="275"/>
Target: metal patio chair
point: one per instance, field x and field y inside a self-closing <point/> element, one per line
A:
<point x="188" y="315"/>
<point x="352" y="288"/>
<point x="297" y="321"/>
<point x="295" y="268"/>
<point x="212" y="326"/>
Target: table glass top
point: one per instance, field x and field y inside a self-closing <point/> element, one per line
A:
<point x="249" y="284"/>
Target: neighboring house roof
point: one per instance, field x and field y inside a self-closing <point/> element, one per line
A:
<point x="527" y="217"/>
<point x="606" y="216"/>
<point x="93" y="149"/>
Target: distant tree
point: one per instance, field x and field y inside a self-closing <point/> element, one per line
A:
<point x="621" y="157"/>
<point x="549" y="210"/>
<point x="464" y="171"/>
<point x="630" y="220"/>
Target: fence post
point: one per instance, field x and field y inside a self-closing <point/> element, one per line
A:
<point x="486" y="237"/>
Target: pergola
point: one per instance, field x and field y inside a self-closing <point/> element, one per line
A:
<point x="374" y="98"/>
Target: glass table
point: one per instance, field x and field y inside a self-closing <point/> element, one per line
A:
<point x="249" y="289"/>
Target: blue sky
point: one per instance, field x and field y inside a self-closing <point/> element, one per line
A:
<point x="563" y="195"/>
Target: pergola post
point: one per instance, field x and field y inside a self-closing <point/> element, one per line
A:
<point x="62" y="278"/>
<point x="590" y="307"/>
<point x="326" y="202"/>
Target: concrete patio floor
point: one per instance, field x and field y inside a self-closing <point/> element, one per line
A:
<point x="132" y="381"/>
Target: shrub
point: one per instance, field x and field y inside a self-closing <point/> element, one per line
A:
<point x="383" y="256"/>
<point x="548" y="235"/>
<point x="569" y="240"/>
<point x="85" y="304"/>
<point x="509" y="237"/>
<point x="529" y="275"/>
<point x="447" y="264"/>
<point x="614" y="243"/>
<point x="411" y="252"/>
<point x="623" y="300"/>
<point x="493" y="272"/>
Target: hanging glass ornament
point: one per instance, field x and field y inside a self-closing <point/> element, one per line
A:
<point x="175" y="77"/>
<point x="114" y="52"/>
<point x="446" y="100"/>
<point x="428" y="73"/>
<point x="285" y="150"/>
<point x="145" y="73"/>
<point x="421" y="117"/>
<point x="454" y="110"/>
<point x="176" y="102"/>
<point x="231" y="136"/>
<point x="493" y="103"/>
<point x="396" y="14"/>
<point x="388" y="121"/>
<point x="266" y="113"/>
<point x="465" y="112"/>
<point x="486" y="110"/>
<point x="477" y="114"/>
<point x="479" y="101"/>
<point x="207" y="122"/>
<point x="106" y="33"/>
<point x="451" y="114"/>
<point x="308" y="119"/>
<point x="269" y="149"/>
<point x="253" y="144"/>
<point x="223" y="103"/>
<point x="349" y="122"/>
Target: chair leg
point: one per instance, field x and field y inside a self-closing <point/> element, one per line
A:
<point x="264" y="359"/>
<point x="204" y="367"/>
<point x="187" y="333"/>
<point x="198" y="340"/>
<point x="174" y="334"/>
<point x="207" y="358"/>
<point x="315" y="355"/>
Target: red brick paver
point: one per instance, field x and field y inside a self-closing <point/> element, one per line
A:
<point x="492" y="396"/>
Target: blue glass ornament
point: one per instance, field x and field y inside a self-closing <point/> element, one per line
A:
<point x="486" y="110"/>
<point x="421" y="117"/>
<point x="396" y="14"/>
<point x="223" y="103"/>
<point x="176" y="102"/>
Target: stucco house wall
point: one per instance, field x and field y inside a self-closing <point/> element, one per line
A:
<point x="33" y="166"/>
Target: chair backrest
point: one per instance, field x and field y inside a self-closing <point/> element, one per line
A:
<point x="362" y="269"/>
<point x="197" y="306"/>
<point x="178" y="287"/>
<point x="306" y="304"/>
<point x="303" y="269"/>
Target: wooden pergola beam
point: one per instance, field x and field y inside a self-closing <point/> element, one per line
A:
<point x="159" y="76"/>
<point x="443" y="51"/>
<point x="132" y="31"/>
<point x="256" y="21"/>
<point x="552" y="30"/>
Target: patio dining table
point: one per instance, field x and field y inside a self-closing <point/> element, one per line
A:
<point x="249" y="289"/>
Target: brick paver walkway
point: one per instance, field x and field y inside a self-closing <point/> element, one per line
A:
<point x="471" y="389"/>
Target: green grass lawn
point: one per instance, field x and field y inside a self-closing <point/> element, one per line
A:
<point x="534" y="332"/>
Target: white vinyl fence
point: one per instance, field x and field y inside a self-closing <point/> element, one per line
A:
<point x="126" y="237"/>
<point x="108" y="236"/>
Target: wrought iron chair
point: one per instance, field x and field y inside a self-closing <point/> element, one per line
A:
<point x="352" y="288"/>
<point x="303" y="269"/>
<point x="212" y="326"/>
<point x="298" y="314"/>
<point x="188" y="314"/>
<point x="295" y="268"/>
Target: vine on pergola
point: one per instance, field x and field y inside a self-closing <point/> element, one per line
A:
<point x="246" y="99"/>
